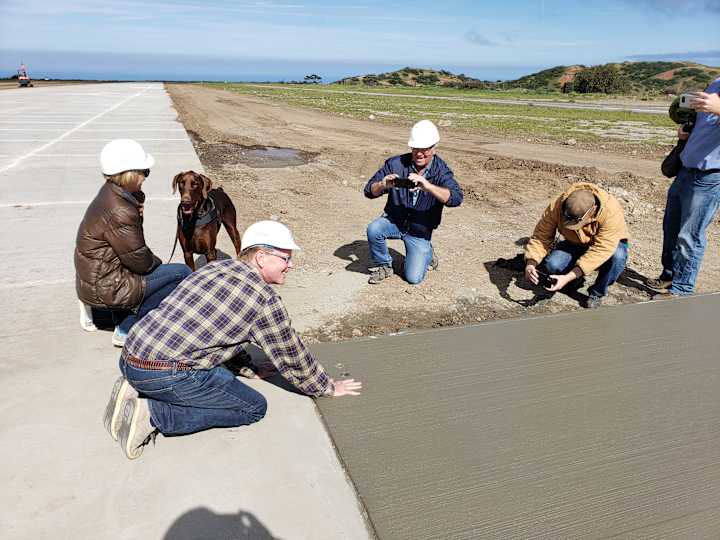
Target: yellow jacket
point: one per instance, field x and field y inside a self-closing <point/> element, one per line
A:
<point x="602" y="233"/>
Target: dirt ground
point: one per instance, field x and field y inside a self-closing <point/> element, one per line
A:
<point x="317" y="191"/>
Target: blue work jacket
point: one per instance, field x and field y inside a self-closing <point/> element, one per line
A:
<point x="417" y="216"/>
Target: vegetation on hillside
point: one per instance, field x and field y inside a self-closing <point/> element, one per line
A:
<point x="613" y="78"/>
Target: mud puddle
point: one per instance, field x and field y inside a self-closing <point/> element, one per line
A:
<point x="256" y="156"/>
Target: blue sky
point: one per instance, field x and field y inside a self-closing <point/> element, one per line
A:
<point x="522" y="34"/>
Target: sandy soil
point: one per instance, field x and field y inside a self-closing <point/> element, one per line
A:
<point x="507" y="185"/>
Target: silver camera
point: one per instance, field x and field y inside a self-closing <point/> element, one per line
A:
<point x="685" y="100"/>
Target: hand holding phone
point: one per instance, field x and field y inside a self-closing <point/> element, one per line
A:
<point x="404" y="183"/>
<point x="544" y="279"/>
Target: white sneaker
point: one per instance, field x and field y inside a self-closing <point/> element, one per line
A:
<point x="119" y="337"/>
<point x="135" y="429"/>
<point x="86" y="320"/>
<point x="120" y="392"/>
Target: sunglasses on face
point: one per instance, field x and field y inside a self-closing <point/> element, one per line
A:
<point x="146" y="172"/>
<point x="423" y="150"/>
<point x="572" y="220"/>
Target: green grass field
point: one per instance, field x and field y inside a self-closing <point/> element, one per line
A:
<point x="547" y="123"/>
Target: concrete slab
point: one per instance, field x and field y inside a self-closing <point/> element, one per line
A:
<point x="62" y="475"/>
<point x="600" y="424"/>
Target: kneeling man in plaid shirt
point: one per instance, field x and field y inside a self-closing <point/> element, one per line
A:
<point x="173" y="379"/>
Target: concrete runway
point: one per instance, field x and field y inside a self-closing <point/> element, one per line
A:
<point x="62" y="475"/>
<point x="594" y="424"/>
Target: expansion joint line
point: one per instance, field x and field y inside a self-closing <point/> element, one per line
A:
<point x="73" y="130"/>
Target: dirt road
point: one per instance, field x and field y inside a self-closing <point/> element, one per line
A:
<point x="507" y="185"/>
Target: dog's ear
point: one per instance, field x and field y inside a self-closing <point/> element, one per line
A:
<point x="176" y="181"/>
<point x="207" y="184"/>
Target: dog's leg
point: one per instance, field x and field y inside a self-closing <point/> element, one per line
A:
<point x="229" y="220"/>
<point x="187" y="251"/>
<point x="210" y="241"/>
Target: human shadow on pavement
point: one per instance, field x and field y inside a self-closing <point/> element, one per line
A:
<point x="358" y="255"/>
<point x="504" y="272"/>
<point x="206" y="524"/>
<point x="256" y="359"/>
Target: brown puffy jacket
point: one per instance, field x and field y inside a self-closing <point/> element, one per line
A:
<point x="110" y="252"/>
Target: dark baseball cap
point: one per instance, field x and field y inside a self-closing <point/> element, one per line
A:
<point x="576" y="209"/>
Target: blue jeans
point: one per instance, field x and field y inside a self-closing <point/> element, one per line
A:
<point x="562" y="259"/>
<point x="184" y="402"/>
<point x="692" y="201"/>
<point x="418" y="251"/>
<point x="158" y="284"/>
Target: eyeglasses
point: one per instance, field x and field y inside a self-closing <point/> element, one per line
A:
<point x="423" y="150"/>
<point x="575" y="220"/>
<point x="286" y="258"/>
<point x="146" y="172"/>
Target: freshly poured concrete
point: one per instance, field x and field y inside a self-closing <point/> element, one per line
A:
<point x="582" y="425"/>
<point x="62" y="476"/>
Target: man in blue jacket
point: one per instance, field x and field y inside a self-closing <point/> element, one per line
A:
<point x="413" y="209"/>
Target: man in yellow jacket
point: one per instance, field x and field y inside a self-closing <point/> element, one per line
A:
<point x="595" y="237"/>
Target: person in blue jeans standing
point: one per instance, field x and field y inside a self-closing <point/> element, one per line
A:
<point x="595" y="237"/>
<point x="115" y="270"/>
<point x="692" y="199"/>
<point x="418" y="185"/>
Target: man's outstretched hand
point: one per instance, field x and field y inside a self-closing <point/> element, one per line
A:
<point x="347" y="387"/>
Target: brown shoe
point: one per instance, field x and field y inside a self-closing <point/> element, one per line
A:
<point x="658" y="284"/>
<point x="379" y="273"/>
<point x="434" y="262"/>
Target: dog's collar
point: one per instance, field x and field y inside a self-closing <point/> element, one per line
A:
<point x="207" y="213"/>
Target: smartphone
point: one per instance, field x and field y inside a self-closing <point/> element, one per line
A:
<point x="685" y="100"/>
<point x="404" y="183"/>
<point x="544" y="279"/>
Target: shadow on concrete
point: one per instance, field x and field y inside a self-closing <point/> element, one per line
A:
<point x="257" y="360"/>
<point x="202" y="523"/>
<point x="201" y="260"/>
<point x="358" y="255"/>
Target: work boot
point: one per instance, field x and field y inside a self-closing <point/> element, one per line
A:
<point x="379" y="273"/>
<point x="658" y="284"/>
<point x="118" y="338"/>
<point x="135" y="429"/>
<point x="593" y="302"/>
<point x="120" y="392"/>
<point x="434" y="262"/>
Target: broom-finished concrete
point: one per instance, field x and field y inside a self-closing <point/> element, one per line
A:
<point x="594" y="424"/>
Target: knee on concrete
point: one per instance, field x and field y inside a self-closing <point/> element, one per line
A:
<point x="253" y="412"/>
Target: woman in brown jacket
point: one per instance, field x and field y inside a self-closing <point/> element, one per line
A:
<point x="114" y="268"/>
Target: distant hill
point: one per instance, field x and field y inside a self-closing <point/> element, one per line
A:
<point x="665" y="77"/>
<point x="409" y="76"/>
<point x="625" y="77"/>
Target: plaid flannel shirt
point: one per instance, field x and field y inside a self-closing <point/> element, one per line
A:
<point x="210" y="315"/>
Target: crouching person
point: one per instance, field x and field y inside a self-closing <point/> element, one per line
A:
<point x="595" y="237"/>
<point x="173" y="379"/>
<point x="418" y="185"/>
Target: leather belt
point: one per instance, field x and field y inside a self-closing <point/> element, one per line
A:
<point x="156" y="365"/>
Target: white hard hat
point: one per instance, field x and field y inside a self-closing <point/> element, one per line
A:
<point x="424" y="134"/>
<point x="124" y="155"/>
<point x="268" y="233"/>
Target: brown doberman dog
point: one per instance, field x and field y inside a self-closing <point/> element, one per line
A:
<point x="200" y="212"/>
